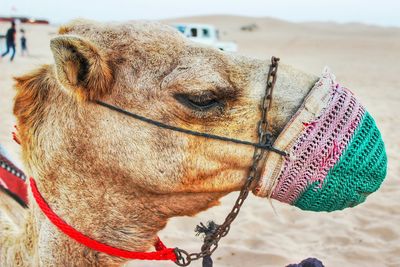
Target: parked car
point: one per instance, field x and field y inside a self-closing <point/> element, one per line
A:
<point x="205" y="34"/>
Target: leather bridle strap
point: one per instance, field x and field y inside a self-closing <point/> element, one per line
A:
<point x="266" y="146"/>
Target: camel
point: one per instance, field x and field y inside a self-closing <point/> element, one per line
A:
<point x="119" y="180"/>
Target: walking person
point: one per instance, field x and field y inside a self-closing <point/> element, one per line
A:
<point x="10" y="41"/>
<point x="24" y="48"/>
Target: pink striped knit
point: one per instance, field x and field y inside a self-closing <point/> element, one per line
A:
<point x="319" y="146"/>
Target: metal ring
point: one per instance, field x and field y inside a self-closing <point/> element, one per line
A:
<point x="182" y="257"/>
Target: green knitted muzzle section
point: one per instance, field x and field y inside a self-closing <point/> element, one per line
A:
<point x="358" y="173"/>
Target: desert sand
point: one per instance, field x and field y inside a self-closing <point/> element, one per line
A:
<point x="365" y="59"/>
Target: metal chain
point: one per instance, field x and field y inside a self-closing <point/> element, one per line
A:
<point x="211" y="242"/>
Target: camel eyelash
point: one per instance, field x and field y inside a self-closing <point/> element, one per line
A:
<point x="203" y="102"/>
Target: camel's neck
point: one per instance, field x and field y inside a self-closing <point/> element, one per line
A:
<point x="15" y="233"/>
<point x="104" y="216"/>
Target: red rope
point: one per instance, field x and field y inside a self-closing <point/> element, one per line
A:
<point x="162" y="253"/>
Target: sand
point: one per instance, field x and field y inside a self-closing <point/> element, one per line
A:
<point x="365" y="59"/>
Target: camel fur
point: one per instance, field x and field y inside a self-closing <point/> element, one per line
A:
<point x="119" y="180"/>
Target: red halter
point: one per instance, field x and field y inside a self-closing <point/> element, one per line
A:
<point x="162" y="253"/>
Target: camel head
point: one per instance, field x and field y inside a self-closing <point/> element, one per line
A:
<point x="151" y="70"/>
<point x="118" y="179"/>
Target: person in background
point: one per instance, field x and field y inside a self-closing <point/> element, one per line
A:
<point x="24" y="48"/>
<point x="10" y="41"/>
<point x="1" y="42"/>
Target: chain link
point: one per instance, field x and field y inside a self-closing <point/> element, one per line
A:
<point x="211" y="242"/>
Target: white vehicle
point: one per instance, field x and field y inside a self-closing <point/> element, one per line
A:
<point x="205" y="34"/>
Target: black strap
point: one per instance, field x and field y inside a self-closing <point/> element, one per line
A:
<point x="267" y="146"/>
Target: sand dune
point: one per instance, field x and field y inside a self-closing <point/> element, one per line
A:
<point x="365" y="59"/>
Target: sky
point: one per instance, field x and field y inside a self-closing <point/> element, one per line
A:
<point x="378" y="12"/>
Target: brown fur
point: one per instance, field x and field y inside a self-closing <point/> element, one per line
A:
<point x="116" y="179"/>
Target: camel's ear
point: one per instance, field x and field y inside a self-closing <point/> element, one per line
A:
<point x="81" y="67"/>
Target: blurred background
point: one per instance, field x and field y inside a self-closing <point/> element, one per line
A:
<point x="358" y="40"/>
<point x="384" y="12"/>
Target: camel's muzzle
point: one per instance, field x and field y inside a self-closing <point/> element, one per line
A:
<point x="336" y="156"/>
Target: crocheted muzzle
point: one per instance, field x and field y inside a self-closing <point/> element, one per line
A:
<point x="336" y="156"/>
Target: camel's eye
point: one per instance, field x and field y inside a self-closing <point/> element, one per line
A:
<point x="201" y="102"/>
